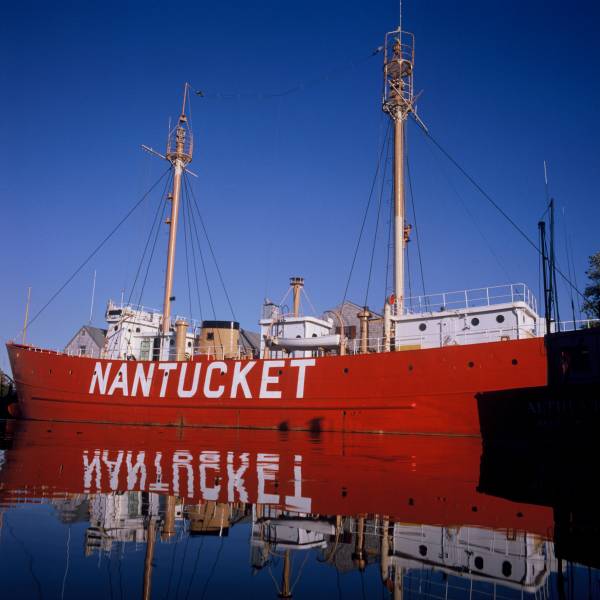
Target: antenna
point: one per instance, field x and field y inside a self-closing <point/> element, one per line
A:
<point x="26" y="314"/>
<point x="93" y="293"/>
<point x="400" y="16"/>
<point x="546" y="182"/>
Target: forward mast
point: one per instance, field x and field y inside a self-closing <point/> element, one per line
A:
<point x="180" y="146"/>
<point x="398" y="103"/>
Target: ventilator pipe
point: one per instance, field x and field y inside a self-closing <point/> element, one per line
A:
<point x="364" y="316"/>
<point x="181" y="326"/>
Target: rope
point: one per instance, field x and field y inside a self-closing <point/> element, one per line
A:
<point x="389" y="246"/>
<point x="300" y="87"/>
<point x="191" y="191"/>
<point x="187" y="262"/>
<point x="154" y="224"/>
<point x="494" y="204"/>
<point x="385" y="165"/>
<point x="417" y="235"/>
<point x="194" y="263"/>
<point x="195" y="230"/>
<point x="94" y="252"/>
<point x="156" y="235"/>
<point x="362" y="227"/>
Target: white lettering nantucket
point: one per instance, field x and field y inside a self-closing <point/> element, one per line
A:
<point x="239" y="379"/>
<point x="267" y="379"/>
<point x="213" y="366"/>
<point x="100" y="378"/>
<point x="302" y="363"/>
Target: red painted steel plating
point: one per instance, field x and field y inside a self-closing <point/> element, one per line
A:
<point x="422" y="391"/>
<point x="414" y="479"/>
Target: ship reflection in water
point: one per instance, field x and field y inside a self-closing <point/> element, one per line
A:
<point x="104" y="511"/>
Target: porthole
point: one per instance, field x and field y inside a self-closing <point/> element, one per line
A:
<point x="410" y="367"/>
<point x="470" y="364"/>
<point x="137" y="329"/>
<point x="422" y="327"/>
<point x="423" y="550"/>
<point x="514" y="361"/>
<point x="280" y="372"/>
<point x="506" y="569"/>
<point x="474" y="321"/>
<point x="473" y="509"/>
<point x="500" y="318"/>
<point x="479" y="562"/>
<point x="346" y="370"/>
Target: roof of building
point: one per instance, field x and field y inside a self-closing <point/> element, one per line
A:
<point x="250" y="339"/>
<point x="352" y="305"/>
<point x="96" y="333"/>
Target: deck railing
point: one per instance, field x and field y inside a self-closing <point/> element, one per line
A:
<point x="473" y="298"/>
<point x="575" y="325"/>
<point x="436" y="340"/>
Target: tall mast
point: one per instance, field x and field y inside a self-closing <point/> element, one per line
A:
<point x="398" y="103"/>
<point x="179" y="154"/>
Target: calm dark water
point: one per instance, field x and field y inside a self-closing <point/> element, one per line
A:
<point x="124" y="512"/>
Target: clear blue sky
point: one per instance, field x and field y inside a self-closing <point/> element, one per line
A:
<point x="283" y="181"/>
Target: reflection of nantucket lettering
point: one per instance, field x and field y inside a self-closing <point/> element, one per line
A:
<point x="119" y="470"/>
<point x="213" y="380"/>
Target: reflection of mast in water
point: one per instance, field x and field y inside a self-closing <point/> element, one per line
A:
<point x="150" y="541"/>
<point x="168" y="528"/>
<point x="286" y="590"/>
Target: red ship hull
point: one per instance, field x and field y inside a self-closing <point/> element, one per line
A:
<point x="422" y="391"/>
<point x="412" y="479"/>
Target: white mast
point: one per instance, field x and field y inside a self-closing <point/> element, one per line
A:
<point x="398" y="102"/>
<point x="179" y="154"/>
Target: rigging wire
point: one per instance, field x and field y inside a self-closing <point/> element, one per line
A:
<point x="385" y="166"/>
<point x="95" y="251"/>
<point x="191" y="191"/>
<point x="155" y="223"/>
<point x="564" y="220"/>
<point x="493" y="202"/>
<point x="187" y="261"/>
<point x="194" y="261"/>
<point x="330" y="75"/>
<point x="364" y="220"/>
<point x="156" y="235"/>
<point x="417" y="235"/>
<point x="210" y="296"/>
<point x="389" y="245"/>
<point x="208" y="289"/>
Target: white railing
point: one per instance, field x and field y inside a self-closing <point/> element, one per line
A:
<point x="576" y="325"/>
<point x="474" y="298"/>
<point x="140" y="311"/>
<point x="435" y="340"/>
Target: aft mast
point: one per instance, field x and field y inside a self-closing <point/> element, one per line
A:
<point x="179" y="154"/>
<point x="398" y="103"/>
